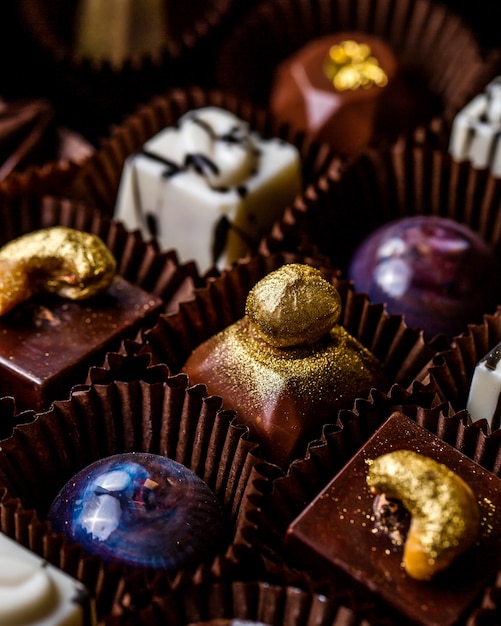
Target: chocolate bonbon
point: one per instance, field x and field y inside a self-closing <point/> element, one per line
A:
<point x="435" y="271"/>
<point x="141" y="510"/>
<point x="48" y="342"/>
<point x="287" y="367"/>
<point x="209" y="187"/>
<point x="337" y="535"/>
<point x="340" y="89"/>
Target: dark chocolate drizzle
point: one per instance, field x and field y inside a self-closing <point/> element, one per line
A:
<point x="220" y="237"/>
<point x="492" y="359"/>
<point x="496" y="418"/>
<point x="152" y="224"/>
<point x="200" y="163"/>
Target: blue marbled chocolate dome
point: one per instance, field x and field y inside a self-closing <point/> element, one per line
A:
<point x="140" y="509"/>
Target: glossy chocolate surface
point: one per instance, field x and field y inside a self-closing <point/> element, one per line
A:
<point x="140" y="509"/>
<point x="348" y="120"/>
<point x="438" y="273"/>
<point x="337" y="534"/>
<point x="47" y="344"/>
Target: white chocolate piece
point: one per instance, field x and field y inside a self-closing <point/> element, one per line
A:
<point x="476" y="131"/>
<point x="210" y="185"/>
<point x="34" y="593"/>
<point x="485" y="389"/>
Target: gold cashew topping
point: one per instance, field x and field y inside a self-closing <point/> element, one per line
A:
<point x="62" y="261"/>
<point x="351" y="65"/>
<point x="293" y="305"/>
<point x="445" y="518"/>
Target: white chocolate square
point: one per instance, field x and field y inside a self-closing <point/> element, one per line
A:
<point x="34" y="593"/>
<point x="206" y="174"/>
<point x="476" y="131"/>
<point x="485" y="389"/>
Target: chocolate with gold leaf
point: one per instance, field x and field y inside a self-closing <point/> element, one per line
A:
<point x="287" y="367"/>
<point x="345" y="89"/>
<point x="61" y="309"/>
<point x="451" y="500"/>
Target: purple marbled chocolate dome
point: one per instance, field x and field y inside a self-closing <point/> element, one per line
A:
<point x="438" y="273"/>
<point x="140" y="509"/>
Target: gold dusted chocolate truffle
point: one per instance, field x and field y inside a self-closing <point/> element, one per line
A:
<point x="286" y="367"/>
<point x="62" y="261"/>
<point x="445" y="518"/>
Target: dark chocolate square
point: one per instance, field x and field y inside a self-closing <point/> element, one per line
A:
<point x="47" y="344"/>
<point x="336" y="536"/>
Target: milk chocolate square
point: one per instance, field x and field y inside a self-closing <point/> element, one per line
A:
<point x="47" y="344"/>
<point x="336" y="537"/>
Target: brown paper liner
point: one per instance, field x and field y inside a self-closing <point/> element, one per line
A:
<point x="39" y="155"/>
<point x="93" y="94"/>
<point x="9" y="419"/>
<point x="100" y="178"/>
<point x="162" y="417"/>
<point x="430" y="41"/>
<point x="256" y="601"/>
<point x="55" y="177"/>
<point x="283" y="498"/>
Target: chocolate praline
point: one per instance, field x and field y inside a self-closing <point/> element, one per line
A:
<point x="435" y="271"/>
<point x="338" y="535"/>
<point x="345" y="89"/>
<point x="48" y="344"/>
<point x="141" y="510"/>
<point x="62" y="307"/>
<point x="287" y="367"/>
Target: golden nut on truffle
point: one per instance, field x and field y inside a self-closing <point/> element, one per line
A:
<point x="59" y="260"/>
<point x="445" y="518"/>
<point x="293" y="305"/>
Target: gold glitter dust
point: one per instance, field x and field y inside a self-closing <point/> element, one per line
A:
<point x="336" y="368"/>
<point x="489" y="512"/>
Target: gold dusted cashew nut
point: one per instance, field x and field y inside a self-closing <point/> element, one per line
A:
<point x="62" y="261"/>
<point x="445" y="518"/>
